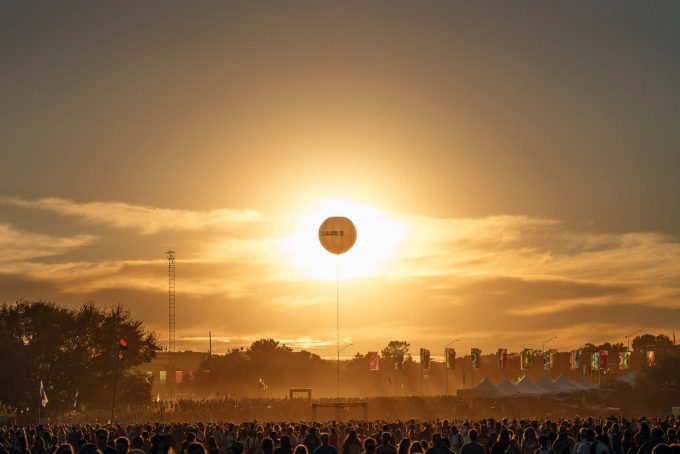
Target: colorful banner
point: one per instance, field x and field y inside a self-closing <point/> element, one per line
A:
<point x="578" y="359"/>
<point x="179" y="377"/>
<point x="553" y="357"/>
<point x="651" y="358"/>
<point x="546" y="361"/>
<point x="595" y="361"/>
<point x="450" y="358"/>
<point x="163" y="377"/>
<point x="206" y="376"/>
<point x="604" y="354"/>
<point x="476" y="355"/>
<point x="502" y="358"/>
<point x="624" y="360"/>
<point x="373" y="361"/>
<point x="424" y="359"/>
<point x="398" y="360"/>
<point x="526" y="359"/>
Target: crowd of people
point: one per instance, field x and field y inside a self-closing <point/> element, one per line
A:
<point x="613" y="435"/>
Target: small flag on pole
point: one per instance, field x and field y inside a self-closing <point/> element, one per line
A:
<point x="398" y="360"/>
<point x="595" y="361"/>
<point x="450" y="358"/>
<point x="425" y="359"/>
<point x="624" y="360"/>
<point x="526" y="359"/>
<point x="476" y="355"/>
<point x="43" y="396"/>
<point x="373" y="361"/>
<point x="122" y="344"/>
<point x="603" y="359"/>
<point x="75" y="401"/>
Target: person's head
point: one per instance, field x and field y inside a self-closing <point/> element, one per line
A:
<point x="324" y="438"/>
<point x="415" y="447"/>
<point x="122" y="445"/>
<point x="65" y="449"/>
<point x="267" y="445"/>
<point x="89" y="448"/>
<point x="301" y="449"/>
<point x="102" y="436"/>
<point x="236" y="448"/>
<point x="590" y="435"/>
<point x="285" y="442"/>
<point x="369" y="445"/>
<point x="196" y="448"/>
<point x="543" y="441"/>
<point x="472" y="434"/>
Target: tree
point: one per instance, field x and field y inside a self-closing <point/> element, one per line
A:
<point x="388" y="352"/>
<point x="71" y="350"/>
<point x="651" y="342"/>
<point x="658" y="385"/>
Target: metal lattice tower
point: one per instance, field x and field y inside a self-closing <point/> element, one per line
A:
<point x="171" y="300"/>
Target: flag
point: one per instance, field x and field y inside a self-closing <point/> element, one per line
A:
<point x="122" y="344"/>
<point x="450" y="358"/>
<point x="651" y="358"/>
<point x="206" y="376"/>
<point x="572" y="360"/>
<point x="526" y="359"/>
<point x="425" y="359"/>
<point x="476" y="355"/>
<point x="75" y="401"/>
<point x="192" y="376"/>
<point x="553" y="357"/>
<point x="398" y="359"/>
<point x="546" y="360"/>
<point x="179" y="376"/>
<point x="373" y="361"/>
<point x="502" y="358"/>
<point x="603" y="359"/>
<point x="164" y="377"/>
<point x="43" y="395"/>
<point x="624" y="360"/>
<point x="595" y="361"/>
<point x="158" y="398"/>
<point x="578" y="359"/>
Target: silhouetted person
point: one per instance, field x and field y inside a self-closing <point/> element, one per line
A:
<point x="325" y="447"/>
<point x="472" y="447"/>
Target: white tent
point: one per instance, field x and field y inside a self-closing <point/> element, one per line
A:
<point x="485" y="387"/>
<point x="506" y="388"/>
<point x="526" y="386"/>
<point x="548" y="384"/>
<point x="565" y="385"/>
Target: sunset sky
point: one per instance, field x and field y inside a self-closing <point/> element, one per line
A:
<point x="512" y="168"/>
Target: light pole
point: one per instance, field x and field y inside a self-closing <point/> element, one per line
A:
<point x="446" y="360"/>
<point x="631" y="334"/>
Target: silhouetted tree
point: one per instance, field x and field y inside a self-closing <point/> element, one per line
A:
<point x="71" y="350"/>
<point x="651" y="342"/>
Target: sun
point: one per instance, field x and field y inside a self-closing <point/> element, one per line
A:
<point x="378" y="236"/>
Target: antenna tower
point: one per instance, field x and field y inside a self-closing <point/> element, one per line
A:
<point x="171" y="300"/>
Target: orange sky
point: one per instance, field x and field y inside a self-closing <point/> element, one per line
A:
<point x="511" y="169"/>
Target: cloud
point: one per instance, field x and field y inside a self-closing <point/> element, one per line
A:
<point x="18" y="245"/>
<point x="143" y="219"/>
<point x="510" y="280"/>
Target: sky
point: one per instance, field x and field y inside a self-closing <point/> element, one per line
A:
<point x="511" y="168"/>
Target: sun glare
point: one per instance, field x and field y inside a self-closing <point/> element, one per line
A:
<point x="378" y="236"/>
